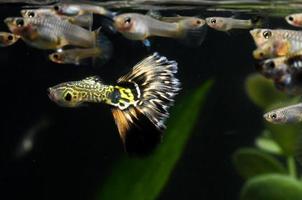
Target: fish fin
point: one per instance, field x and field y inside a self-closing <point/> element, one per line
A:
<point x="85" y="20"/>
<point x="147" y="43"/>
<point x="259" y="21"/>
<point x="154" y="14"/>
<point x="155" y="86"/>
<point x="139" y="136"/>
<point x="195" y="37"/>
<point x="62" y="41"/>
<point x="106" y="49"/>
<point x="92" y="79"/>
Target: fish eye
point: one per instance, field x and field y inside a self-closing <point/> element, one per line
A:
<point x="198" y="22"/>
<point x="274" y="116"/>
<point x="213" y="21"/>
<point x="127" y="20"/>
<point x="56" y="56"/>
<point x="10" y="37"/>
<point x="57" y="8"/>
<point x="271" y="65"/>
<point x="290" y="18"/>
<point x="31" y="14"/>
<point x="267" y="34"/>
<point x="68" y="97"/>
<point x="20" y="22"/>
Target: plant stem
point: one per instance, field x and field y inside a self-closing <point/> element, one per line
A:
<point x="292" y="166"/>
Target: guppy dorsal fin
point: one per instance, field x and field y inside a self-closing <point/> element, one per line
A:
<point x="157" y="86"/>
<point x="92" y="79"/>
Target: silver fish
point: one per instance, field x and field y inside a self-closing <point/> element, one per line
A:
<point x="51" y="33"/>
<point x="289" y="114"/>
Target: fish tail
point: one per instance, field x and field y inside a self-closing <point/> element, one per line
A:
<point x="105" y="46"/>
<point x="154" y="84"/>
<point x="194" y="37"/>
<point x="259" y="21"/>
<point x="85" y="20"/>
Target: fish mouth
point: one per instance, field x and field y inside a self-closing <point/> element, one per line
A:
<point x="51" y="94"/>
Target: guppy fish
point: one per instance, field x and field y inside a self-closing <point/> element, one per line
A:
<point x="229" y="23"/>
<point x="74" y="56"/>
<point x="273" y="67"/>
<point x="140" y="27"/>
<point x="294" y="19"/>
<point x="77" y="56"/>
<point x="51" y="33"/>
<point x="85" y="20"/>
<point x="289" y="114"/>
<point x="274" y="48"/>
<point x="261" y="36"/>
<point x="140" y="98"/>
<point x="76" y="9"/>
<point x="7" y="39"/>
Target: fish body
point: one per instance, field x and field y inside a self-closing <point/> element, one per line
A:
<point x="294" y="19"/>
<point x="7" y="39"/>
<point x="140" y="27"/>
<point x="228" y="23"/>
<point x="76" y="9"/>
<point x="273" y="67"/>
<point x="262" y="36"/>
<point x="274" y="48"/>
<point x="289" y="114"/>
<point x="51" y="32"/>
<point x="85" y="20"/>
<point x="141" y="97"/>
<point x="74" y="56"/>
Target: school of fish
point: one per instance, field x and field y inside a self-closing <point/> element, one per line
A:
<point x="140" y="99"/>
<point x="279" y="55"/>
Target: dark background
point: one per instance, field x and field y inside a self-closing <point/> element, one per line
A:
<point x="73" y="150"/>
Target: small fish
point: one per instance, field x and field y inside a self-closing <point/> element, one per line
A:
<point x="74" y="56"/>
<point x="274" y="48"/>
<point x="51" y="32"/>
<point x="289" y="114"/>
<point x="261" y="36"/>
<point x="140" y="27"/>
<point x="77" y="56"/>
<point x="7" y="39"/>
<point x="228" y="23"/>
<point x="294" y="19"/>
<point x="140" y="98"/>
<point x="85" y="20"/>
<point x="76" y="9"/>
<point x="273" y="67"/>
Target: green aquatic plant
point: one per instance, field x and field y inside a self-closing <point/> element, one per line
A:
<point x="143" y="178"/>
<point x="270" y="168"/>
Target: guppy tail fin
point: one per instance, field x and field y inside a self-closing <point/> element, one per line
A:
<point x="259" y="21"/>
<point x="85" y="20"/>
<point x="106" y="48"/>
<point x="141" y="126"/>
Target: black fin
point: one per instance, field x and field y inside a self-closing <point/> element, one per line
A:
<point x="106" y="48"/>
<point x="85" y="21"/>
<point x="195" y="37"/>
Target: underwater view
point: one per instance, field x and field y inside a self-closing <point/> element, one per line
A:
<point x="150" y="99"/>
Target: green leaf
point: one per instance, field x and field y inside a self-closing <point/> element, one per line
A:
<point x="263" y="92"/>
<point x="144" y="178"/>
<point x="287" y="136"/>
<point x="251" y="162"/>
<point x="266" y="143"/>
<point x="272" y="187"/>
